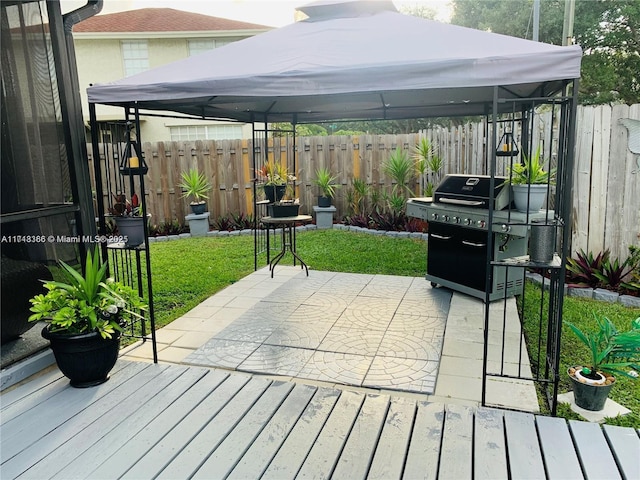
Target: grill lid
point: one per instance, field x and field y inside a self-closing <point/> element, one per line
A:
<point x="472" y="191"/>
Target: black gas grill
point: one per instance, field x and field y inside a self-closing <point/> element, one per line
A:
<point x="457" y="249"/>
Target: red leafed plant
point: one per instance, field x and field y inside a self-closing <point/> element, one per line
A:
<point x="582" y="270"/>
<point x="124" y="208"/>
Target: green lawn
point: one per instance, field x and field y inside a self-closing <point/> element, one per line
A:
<point x="579" y="311"/>
<point x="188" y="271"/>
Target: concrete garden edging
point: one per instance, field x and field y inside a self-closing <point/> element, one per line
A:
<point x="599" y="294"/>
<point x="300" y="228"/>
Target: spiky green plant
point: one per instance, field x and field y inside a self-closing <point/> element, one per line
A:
<point x="400" y="168"/>
<point x="611" y="351"/>
<point x="87" y="302"/>
<point x="531" y="171"/>
<point x="326" y="181"/>
<point x="357" y="195"/>
<point x="194" y="184"/>
<point x="427" y="162"/>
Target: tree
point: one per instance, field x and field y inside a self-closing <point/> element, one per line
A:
<point x="607" y="30"/>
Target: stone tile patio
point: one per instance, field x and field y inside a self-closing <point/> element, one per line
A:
<point x="363" y="330"/>
<point x="351" y="331"/>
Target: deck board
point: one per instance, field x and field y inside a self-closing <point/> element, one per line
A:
<point x="143" y="443"/>
<point x="326" y="449"/>
<point x="133" y="421"/>
<point x="625" y="445"/>
<point x="596" y="458"/>
<point x="181" y="432"/>
<point x="560" y="456"/>
<point x="264" y="448"/>
<point x="457" y="444"/>
<point x="358" y="452"/>
<point x="230" y="451"/>
<point x="83" y="432"/>
<point x="490" y="450"/>
<point x="424" y="450"/>
<point x="26" y="438"/>
<point x="40" y="387"/>
<point x="388" y="462"/>
<point x="296" y="447"/>
<point x="525" y="457"/>
<point x="224" y="413"/>
<point x="171" y="421"/>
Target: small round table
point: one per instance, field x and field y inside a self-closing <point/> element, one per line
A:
<point x="287" y="225"/>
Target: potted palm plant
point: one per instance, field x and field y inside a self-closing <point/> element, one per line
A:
<point x="529" y="182"/>
<point x="611" y="353"/>
<point x="326" y="182"/>
<point x="195" y="185"/>
<point x="84" y="317"/>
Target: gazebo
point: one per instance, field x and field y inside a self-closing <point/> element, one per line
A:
<point x="364" y="60"/>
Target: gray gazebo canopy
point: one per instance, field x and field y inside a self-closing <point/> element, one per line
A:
<point x="350" y="60"/>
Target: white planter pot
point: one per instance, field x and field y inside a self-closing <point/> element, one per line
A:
<point x="531" y="196"/>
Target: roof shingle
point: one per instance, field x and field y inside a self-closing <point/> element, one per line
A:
<point x="160" y="20"/>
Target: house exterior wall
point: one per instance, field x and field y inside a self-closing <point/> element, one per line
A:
<point x="100" y="60"/>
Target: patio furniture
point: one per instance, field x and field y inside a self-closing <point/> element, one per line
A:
<point x="288" y="232"/>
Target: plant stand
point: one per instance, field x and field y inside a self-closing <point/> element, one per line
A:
<point x="324" y="216"/>
<point x="198" y="223"/>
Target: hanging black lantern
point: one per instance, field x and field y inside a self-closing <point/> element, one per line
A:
<point x="507" y="146"/>
<point x="132" y="161"/>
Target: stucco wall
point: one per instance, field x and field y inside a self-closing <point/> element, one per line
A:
<point x="100" y="60"/>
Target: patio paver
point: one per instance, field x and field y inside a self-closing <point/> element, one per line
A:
<point x="401" y="337"/>
<point x="368" y="337"/>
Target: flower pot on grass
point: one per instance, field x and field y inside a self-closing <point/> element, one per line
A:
<point x="612" y="353"/>
<point x="590" y="393"/>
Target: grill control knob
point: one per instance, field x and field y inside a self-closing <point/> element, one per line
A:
<point x="434" y="216"/>
<point x="456" y="219"/>
<point x="446" y="218"/>
<point x="481" y="223"/>
<point x="467" y="221"/>
<point x="505" y="228"/>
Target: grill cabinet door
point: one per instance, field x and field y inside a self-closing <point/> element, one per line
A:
<point x="457" y="254"/>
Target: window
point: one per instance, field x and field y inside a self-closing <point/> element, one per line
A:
<point x="135" y="56"/>
<point x="197" y="47"/>
<point x="206" y="132"/>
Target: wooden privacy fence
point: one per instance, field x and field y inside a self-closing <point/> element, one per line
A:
<point x="606" y="196"/>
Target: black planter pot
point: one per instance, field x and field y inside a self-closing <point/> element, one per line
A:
<point x="86" y="359"/>
<point x="324" y="202"/>
<point x="590" y="397"/>
<point x="279" y="211"/>
<point x="274" y="193"/>
<point x="198" y="208"/>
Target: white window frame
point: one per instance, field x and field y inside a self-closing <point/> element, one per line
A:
<point x="223" y="131"/>
<point x="201" y="45"/>
<point x="135" y="56"/>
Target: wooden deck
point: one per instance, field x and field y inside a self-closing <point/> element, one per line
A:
<point x="172" y="421"/>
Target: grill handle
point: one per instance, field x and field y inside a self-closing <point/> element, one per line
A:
<point x="473" y="244"/>
<point x="441" y="237"/>
<point x="457" y="201"/>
